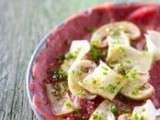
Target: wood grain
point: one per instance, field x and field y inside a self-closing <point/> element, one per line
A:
<point x="22" y="25"/>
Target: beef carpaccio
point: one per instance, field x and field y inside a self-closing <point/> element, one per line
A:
<point x="81" y="27"/>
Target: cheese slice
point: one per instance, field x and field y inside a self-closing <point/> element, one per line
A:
<point x="118" y="53"/>
<point x="153" y="43"/>
<point x="103" y="112"/>
<point x="103" y="81"/>
<point x="78" y="49"/>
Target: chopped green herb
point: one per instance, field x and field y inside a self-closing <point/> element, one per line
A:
<point x="90" y="29"/>
<point x="132" y="74"/>
<point x="96" y="53"/>
<point x="68" y="104"/>
<point x="123" y="66"/>
<point x="113" y="31"/>
<point x="59" y="89"/>
<point x="118" y="48"/>
<point x="70" y="56"/>
<point x="104" y="70"/>
<point x="95" y="82"/>
<point x="59" y="75"/>
<point x="96" y="116"/>
<point x="114" y="109"/>
<point x="137" y="117"/>
<point x="135" y="91"/>
<point x="110" y="88"/>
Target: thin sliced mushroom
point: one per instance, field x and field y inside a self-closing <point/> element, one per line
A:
<point x="59" y="98"/>
<point x="113" y="29"/>
<point x="103" y="112"/>
<point x="141" y="93"/>
<point x="76" y="74"/>
<point x="125" y="116"/>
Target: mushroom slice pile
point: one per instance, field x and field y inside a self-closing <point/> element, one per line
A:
<point x="59" y="98"/>
<point x="78" y="50"/>
<point x="77" y="72"/>
<point x="145" y="112"/>
<point x="153" y="43"/>
<point x="103" y="81"/>
<point x="103" y="112"/>
<point x="99" y="40"/>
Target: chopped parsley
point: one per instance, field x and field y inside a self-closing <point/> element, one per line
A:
<point x="59" y="89"/>
<point x="114" y="109"/>
<point x="123" y="66"/>
<point x="96" y="116"/>
<point x="59" y="75"/>
<point x="68" y="105"/>
<point x="110" y="88"/>
<point x="136" y="116"/>
<point x="96" y="82"/>
<point x="118" y="48"/>
<point x="96" y="53"/>
<point x="90" y="29"/>
<point x="104" y="70"/>
<point x="70" y="56"/>
<point x="132" y="74"/>
<point x="135" y="91"/>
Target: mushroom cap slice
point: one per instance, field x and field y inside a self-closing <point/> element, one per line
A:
<point x="59" y="98"/>
<point x="122" y="39"/>
<point x="138" y="93"/>
<point x="103" y="112"/>
<point x="137" y="87"/>
<point x="103" y="81"/>
<point x="114" y="29"/>
<point x="77" y="51"/>
<point x="77" y="72"/>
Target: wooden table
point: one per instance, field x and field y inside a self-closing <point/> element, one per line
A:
<point x="22" y="25"/>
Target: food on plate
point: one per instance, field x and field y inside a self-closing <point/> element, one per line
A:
<point x="109" y="73"/>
